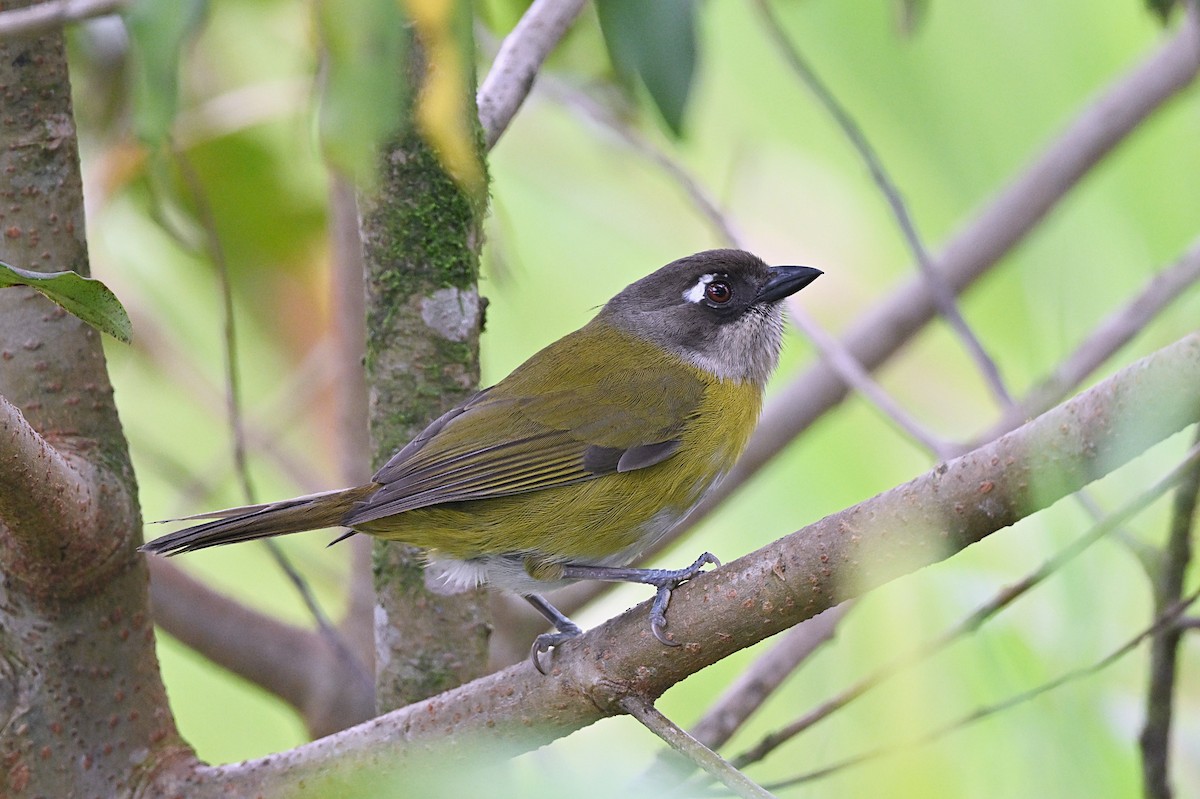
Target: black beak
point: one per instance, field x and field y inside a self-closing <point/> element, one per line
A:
<point x="785" y="281"/>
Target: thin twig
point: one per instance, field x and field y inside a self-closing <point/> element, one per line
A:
<point x="976" y="619"/>
<point x="858" y="378"/>
<point x="295" y="664"/>
<point x="216" y="253"/>
<point x="830" y="349"/>
<point x="521" y="55"/>
<point x="1109" y="336"/>
<point x="1155" y="739"/>
<point x="1163" y="622"/>
<point x="943" y="296"/>
<point x="722" y="227"/>
<point x="54" y="14"/>
<point x="997" y="228"/>
<point x="644" y="711"/>
<point x="751" y="690"/>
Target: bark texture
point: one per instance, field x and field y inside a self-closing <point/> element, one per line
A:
<point x="82" y="708"/>
<point x="421" y="242"/>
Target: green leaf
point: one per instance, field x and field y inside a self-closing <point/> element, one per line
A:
<point x="656" y="41"/>
<point x="364" y="84"/>
<point x="89" y="299"/>
<point x="158" y="30"/>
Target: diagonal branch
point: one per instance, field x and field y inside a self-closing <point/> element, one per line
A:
<point x="40" y="488"/>
<point x="999" y="226"/>
<point x="1113" y="333"/>
<point x="1162" y="622"/>
<point x="717" y="767"/>
<point x="921" y="522"/>
<point x="976" y="619"/>
<point x="521" y="55"/>
<point x="55" y="13"/>
<point x="943" y="297"/>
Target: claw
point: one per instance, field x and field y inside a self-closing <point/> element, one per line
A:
<point x="547" y="641"/>
<point x="658" y="616"/>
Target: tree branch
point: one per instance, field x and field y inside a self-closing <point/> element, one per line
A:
<point x="305" y="669"/>
<point x="943" y="297"/>
<point x="1109" y="336"/>
<point x="743" y="602"/>
<point x="54" y="14"/>
<point x="1155" y="740"/>
<point x="1007" y="219"/>
<point x="975" y="620"/>
<point x="40" y="489"/>
<point x="521" y="55"/>
<point x="716" y="766"/>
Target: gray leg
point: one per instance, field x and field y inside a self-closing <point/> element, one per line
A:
<point x="566" y="628"/>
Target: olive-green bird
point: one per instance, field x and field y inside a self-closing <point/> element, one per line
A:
<point x="581" y="459"/>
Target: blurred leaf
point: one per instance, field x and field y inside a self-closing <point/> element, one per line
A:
<point x="364" y="86"/>
<point x="158" y="30"/>
<point x="88" y="299"/>
<point x="657" y="42"/>
<point x="445" y="112"/>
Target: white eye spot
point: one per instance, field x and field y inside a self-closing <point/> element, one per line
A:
<point x="696" y="292"/>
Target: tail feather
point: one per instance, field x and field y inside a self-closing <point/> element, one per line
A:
<point x="310" y="512"/>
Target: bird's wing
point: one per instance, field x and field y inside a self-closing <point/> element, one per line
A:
<point x="592" y="428"/>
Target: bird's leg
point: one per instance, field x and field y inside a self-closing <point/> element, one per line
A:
<point x="566" y="628"/>
<point x="665" y="580"/>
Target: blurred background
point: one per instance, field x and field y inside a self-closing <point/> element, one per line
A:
<point x="956" y="97"/>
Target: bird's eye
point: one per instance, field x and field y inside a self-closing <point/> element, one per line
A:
<point x="718" y="291"/>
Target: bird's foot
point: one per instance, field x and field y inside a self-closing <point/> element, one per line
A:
<point x="565" y="630"/>
<point x="667" y="580"/>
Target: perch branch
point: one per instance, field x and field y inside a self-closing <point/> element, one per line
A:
<point x="923" y="521"/>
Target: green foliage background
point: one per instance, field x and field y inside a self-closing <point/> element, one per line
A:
<point x="955" y="108"/>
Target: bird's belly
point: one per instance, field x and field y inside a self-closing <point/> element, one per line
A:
<point x="495" y="541"/>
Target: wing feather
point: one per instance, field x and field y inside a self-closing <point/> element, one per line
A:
<point x="595" y="424"/>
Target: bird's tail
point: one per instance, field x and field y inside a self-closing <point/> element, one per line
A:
<point x="311" y="512"/>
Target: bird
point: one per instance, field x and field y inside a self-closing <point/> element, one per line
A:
<point x="582" y="458"/>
